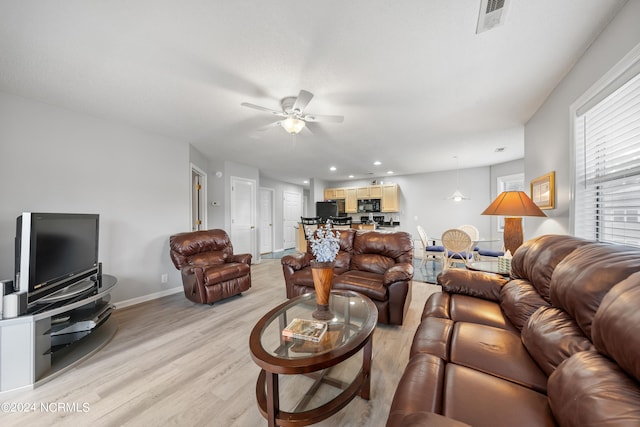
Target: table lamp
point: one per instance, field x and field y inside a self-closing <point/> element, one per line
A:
<point x="513" y="205"/>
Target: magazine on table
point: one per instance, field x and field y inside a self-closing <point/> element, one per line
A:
<point x="310" y="330"/>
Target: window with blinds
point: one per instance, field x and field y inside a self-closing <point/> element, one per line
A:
<point x="607" y="169"/>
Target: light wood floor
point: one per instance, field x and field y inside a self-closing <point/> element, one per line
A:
<point x="173" y="362"/>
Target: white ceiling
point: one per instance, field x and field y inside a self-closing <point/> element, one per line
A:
<point x="415" y="83"/>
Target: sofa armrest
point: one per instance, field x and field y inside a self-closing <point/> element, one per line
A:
<point x="473" y="283"/>
<point x="398" y="273"/>
<point x="241" y="258"/>
<point x="297" y="261"/>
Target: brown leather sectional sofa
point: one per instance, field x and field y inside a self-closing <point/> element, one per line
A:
<point x="559" y="344"/>
<point x="376" y="264"/>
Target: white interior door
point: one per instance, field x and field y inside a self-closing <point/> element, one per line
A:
<point x="266" y="220"/>
<point x="291" y="213"/>
<point x="243" y="215"/>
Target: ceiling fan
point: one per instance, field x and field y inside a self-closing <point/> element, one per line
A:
<point x="293" y="112"/>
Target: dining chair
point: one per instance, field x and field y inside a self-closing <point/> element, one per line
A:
<point x="341" y="222"/>
<point x="457" y="247"/>
<point x="309" y="225"/>
<point x="473" y="232"/>
<point x="430" y="251"/>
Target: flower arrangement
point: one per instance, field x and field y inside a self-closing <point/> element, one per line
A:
<point x="325" y="243"/>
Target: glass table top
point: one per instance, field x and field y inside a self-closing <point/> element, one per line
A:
<point x="354" y="318"/>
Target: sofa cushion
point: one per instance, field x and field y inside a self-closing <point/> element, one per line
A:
<point x="590" y="390"/>
<point x="433" y="336"/>
<point x="551" y="337"/>
<point x="437" y="305"/>
<point x="224" y="272"/>
<point x="374" y="263"/>
<point x="537" y="258"/>
<point x="586" y="275"/>
<point x="519" y="299"/>
<point x="615" y="325"/>
<point x="464" y="308"/>
<point x="369" y="284"/>
<point x="420" y="387"/>
<point x="397" y="245"/>
<point x="472" y="283"/>
<point x="484" y="400"/>
<point x="496" y="352"/>
<point x="208" y="258"/>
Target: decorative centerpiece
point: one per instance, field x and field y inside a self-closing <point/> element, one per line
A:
<point x="324" y="246"/>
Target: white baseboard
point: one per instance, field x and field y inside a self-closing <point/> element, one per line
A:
<point x="144" y="298"/>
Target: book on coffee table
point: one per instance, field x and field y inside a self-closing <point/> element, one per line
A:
<point x="309" y="330"/>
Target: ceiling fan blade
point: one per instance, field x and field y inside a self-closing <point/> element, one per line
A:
<point x="268" y="110"/>
<point x="323" y="118"/>
<point x="303" y="99"/>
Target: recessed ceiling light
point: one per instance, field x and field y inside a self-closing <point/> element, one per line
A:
<point x="389" y="172"/>
<point x="377" y="163"/>
<point x="350" y="176"/>
<point x="332" y="168"/>
<point x="305" y="182"/>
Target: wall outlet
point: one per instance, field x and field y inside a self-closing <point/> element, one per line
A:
<point x="164" y="278"/>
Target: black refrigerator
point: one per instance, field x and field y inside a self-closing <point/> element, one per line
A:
<point x="326" y="209"/>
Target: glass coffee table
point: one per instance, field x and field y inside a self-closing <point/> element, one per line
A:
<point x="302" y="382"/>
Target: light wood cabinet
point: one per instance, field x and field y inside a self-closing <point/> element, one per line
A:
<point x="390" y="200"/>
<point x="329" y="193"/>
<point x="351" y="201"/>
<point x="334" y="193"/>
<point x="362" y="193"/>
<point x="388" y="193"/>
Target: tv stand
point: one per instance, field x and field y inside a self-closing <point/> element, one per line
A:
<point x="37" y="347"/>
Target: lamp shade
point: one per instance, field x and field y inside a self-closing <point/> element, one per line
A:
<point x="513" y="203"/>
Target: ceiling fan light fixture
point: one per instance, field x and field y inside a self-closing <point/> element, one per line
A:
<point x="292" y="124"/>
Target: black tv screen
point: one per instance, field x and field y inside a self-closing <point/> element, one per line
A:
<point x="54" y="250"/>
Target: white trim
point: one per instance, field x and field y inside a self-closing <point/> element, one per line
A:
<point x="605" y="83"/>
<point x="149" y="297"/>
<point x="205" y="209"/>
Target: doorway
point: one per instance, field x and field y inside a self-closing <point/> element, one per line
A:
<point x="198" y="197"/>
<point x="243" y="216"/>
<point x="266" y="231"/>
<point x="291" y="213"/>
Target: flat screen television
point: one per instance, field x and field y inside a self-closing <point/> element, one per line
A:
<point x="54" y="252"/>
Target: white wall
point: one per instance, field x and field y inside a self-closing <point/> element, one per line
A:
<point x="55" y="160"/>
<point x="547" y="136"/>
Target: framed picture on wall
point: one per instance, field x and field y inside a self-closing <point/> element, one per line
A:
<point x="513" y="182"/>
<point x="543" y="192"/>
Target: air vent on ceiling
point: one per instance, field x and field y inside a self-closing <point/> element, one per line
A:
<point x="492" y="13"/>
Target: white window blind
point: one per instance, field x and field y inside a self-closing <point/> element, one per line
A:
<point x="607" y="180"/>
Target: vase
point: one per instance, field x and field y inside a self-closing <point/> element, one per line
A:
<point x="322" y="273"/>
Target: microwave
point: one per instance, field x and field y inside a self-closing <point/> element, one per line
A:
<point x="368" y="205"/>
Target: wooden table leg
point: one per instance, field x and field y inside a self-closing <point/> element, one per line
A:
<point x="366" y="368"/>
<point x="273" y="398"/>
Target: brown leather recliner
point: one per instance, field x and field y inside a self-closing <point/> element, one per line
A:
<point x="376" y="264"/>
<point x="210" y="270"/>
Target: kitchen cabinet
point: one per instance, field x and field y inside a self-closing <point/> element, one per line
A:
<point x="351" y="201"/>
<point x="334" y="193"/>
<point x="388" y="193"/>
<point x="390" y="200"/>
